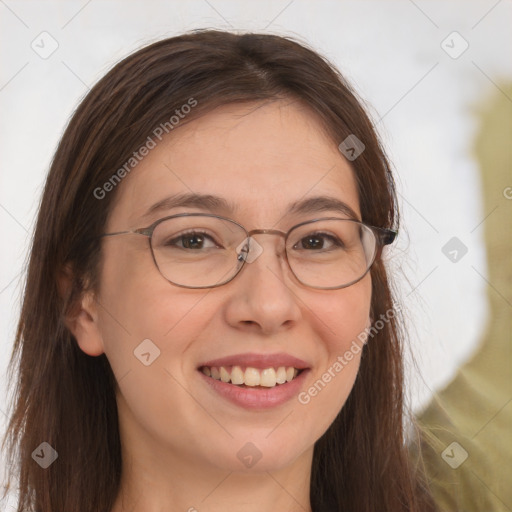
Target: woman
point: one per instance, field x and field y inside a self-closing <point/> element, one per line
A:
<point x="208" y="323"/>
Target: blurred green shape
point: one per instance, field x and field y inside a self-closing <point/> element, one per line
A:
<point x="473" y="413"/>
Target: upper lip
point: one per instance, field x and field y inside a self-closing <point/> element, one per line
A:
<point x="261" y="361"/>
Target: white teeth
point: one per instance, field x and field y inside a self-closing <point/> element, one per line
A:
<point x="269" y="377"/>
<point x="224" y="375"/>
<point x="237" y="375"/>
<point x="281" y="375"/>
<point x="290" y="373"/>
<point x="252" y="377"/>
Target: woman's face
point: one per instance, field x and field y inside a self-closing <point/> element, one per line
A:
<point x="261" y="160"/>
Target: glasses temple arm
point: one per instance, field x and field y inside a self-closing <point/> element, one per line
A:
<point x="387" y="236"/>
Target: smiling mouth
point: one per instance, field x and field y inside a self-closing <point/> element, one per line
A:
<point x="249" y="377"/>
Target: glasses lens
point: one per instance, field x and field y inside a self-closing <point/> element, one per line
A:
<point x="198" y="251"/>
<point x="331" y="253"/>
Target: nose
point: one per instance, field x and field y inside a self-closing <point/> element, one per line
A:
<point x="263" y="296"/>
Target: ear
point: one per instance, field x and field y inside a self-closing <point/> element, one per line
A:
<point x="82" y="320"/>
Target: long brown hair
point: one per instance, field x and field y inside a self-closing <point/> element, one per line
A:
<point x="67" y="398"/>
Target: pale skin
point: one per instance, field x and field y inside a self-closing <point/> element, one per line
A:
<point x="180" y="439"/>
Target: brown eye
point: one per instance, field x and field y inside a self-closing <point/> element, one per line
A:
<point x="193" y="240"/>
<point x="318" y="241"/>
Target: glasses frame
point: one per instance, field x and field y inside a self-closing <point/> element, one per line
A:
<point x="383" y="237"/>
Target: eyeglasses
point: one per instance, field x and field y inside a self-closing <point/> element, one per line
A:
<point x="196" y="250"/>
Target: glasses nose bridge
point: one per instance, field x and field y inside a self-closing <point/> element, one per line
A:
<point x="277" y="232"/>
<point x="266" y="232"/>
<point x="281" y="234"/>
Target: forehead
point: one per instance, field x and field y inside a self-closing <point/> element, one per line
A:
<point x="260" y="157"/>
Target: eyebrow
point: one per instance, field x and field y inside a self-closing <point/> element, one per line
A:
<point x="220" y="205"/>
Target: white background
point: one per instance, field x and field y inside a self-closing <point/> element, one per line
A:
<point x="422" y="100"/>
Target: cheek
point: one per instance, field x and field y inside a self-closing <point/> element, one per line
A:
<point x="136" y="305"/>
<point x="341" y="323"/>
<point x="147" y="327"/>
<point x="343" y="316"/>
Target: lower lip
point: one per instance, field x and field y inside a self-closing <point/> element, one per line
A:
<point x="257" y="398"/>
